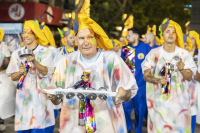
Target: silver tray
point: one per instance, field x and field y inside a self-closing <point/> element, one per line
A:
<point x="24" y="53"/>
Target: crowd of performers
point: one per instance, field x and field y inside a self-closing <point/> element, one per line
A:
<point x="158" y="78"/>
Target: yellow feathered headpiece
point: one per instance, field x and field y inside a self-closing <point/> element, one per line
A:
<point x="82" y="21"/>
<point x="41" y="39"/>
<point x="1" y="34"/>
<point x="196" y="36"/>
<point x="48" y="34"/>
<point x="170" y="23"/>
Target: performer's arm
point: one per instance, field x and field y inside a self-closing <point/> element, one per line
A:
<point x="6" y="62"/>
<point x="151" y="79"/>
<point x="123" y="94"/>
<point x="197" y="77"/>
<point x="42" y="69"/>
<point x="16" y="76"/>
<point x="51" y="97"/>
<point x="187" y="74"/>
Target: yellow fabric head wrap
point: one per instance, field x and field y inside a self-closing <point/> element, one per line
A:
<point x="158" y="41"/>
<point x="117" y="43"/>
<point x="196" y="36"/>
<point x="189" y="42"/>
<point x="179" y="40"/>
<point x="86" y="22"/>
<point x="41" y="39"/>
<point x="49" y="35"/>
<point x="1" y="34"/>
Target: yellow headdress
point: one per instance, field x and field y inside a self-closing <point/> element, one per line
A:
<point x="170" y="23"/>
<point x="41" y="39"/>
<point x="158" y="41"/>
<point x="116" y="42"/>
<point x="189" y="42"/>
<point x="82" y="21"/>
<point x="65" y="32"/>
<point x="1" y="34"/>
<point x="48" y="34"/>
<point x="196" y="36"/>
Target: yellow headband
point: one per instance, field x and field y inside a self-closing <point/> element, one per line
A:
<point x="1" y="34"/>
<point x="41" y="39"/>
<point x="49" y="35"/>
<point x="86" y="22"/>
<point x="179" y="40"/>
<point x="196" y="36"/>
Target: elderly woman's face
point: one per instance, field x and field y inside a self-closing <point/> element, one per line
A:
<point x="86" y="41"/>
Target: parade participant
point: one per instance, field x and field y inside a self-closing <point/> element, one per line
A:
<point x="167" y="86"/>
<point x="117" y="45"/>
<point x="52" y="46"/>
<point x="194" y="37"/>
<point x="90" y="65"/>
<point x="4" y="60"/>
<point x="67" y="40"/>
<point x="193" y="85"/>
<point x="33" y="113"/>
<point x="151" y="40"/>
<point x="133" y="55"/>
<point x="124" y="41"/>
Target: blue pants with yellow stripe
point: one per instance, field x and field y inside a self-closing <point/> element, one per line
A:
<point x="140" y="107"/>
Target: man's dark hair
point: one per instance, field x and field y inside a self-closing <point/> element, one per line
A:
<point x="135" y="30"/>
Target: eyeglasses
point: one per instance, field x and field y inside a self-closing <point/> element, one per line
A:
<point x="131" y="35"/>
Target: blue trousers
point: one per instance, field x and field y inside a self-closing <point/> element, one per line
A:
<point x="193" y="123"/>
<point x="46" y="130"/>
<point x="56" y="113"/>
<point x="140" y="107"/>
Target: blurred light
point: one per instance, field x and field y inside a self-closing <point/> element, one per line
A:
<point x="119" y="28"/>
<point x="188" y="6"/>
<point x="70" y="15"/>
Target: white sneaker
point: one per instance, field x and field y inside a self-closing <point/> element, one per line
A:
<point x="2" y="127"/>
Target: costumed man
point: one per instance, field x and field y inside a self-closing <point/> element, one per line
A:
<point x="52" y="46"/>
<point x="4" y="61"/>
<point x="33" y="113"/>
<point x="150" y="39"/>
<point x="117" y="45"/>
<point x="167" y="70"/>
<point x="92" y="67"/>
<point x="194" y="86"/>
<point x="133" y="55"/>
<point x="68" y="40"/>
